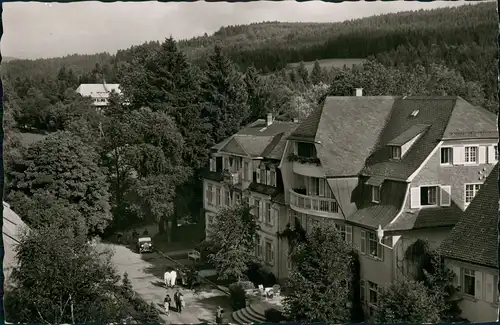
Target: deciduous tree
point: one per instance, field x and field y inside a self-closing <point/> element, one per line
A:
<point x="319" y="278"/>
<point x="233" y="236"/>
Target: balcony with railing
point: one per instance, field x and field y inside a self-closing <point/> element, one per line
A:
<point x="314" y="205"/>
<point x="231" y="178"/>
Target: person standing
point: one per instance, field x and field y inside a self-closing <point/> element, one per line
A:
<point x="176" y="301"/>
<point x="167" y="302"/>
<point x="218" y="315"/>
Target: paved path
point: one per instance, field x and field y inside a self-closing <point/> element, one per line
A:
<point x="146" y="281"/>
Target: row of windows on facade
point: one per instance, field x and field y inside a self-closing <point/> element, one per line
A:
<point x="261" y="209"/>
<point x="266" y="254"/>
<point x="470" y="283"/>
<point x="469" y="155"/>
<point x="474" y="154"/>
<point x="433" y="195"/>
<point x="234" y="165"/>
<point x="369" y="244"/>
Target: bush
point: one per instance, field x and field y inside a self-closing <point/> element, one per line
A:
<point x="238" y="296"/>
<point x="258" y="275"/>
<point x="273" y="315"/>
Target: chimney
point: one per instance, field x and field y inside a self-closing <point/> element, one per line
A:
<point x="269" y="119"/>
<point x="359" y="92"/>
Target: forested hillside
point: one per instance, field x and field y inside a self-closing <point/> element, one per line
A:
<point x="196" y="94"/>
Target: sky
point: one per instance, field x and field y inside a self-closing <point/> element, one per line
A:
<point x="37" y="30"/>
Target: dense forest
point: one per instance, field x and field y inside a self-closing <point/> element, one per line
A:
<point x="203" y="89"/>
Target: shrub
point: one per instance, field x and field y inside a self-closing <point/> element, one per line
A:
<point x="258" y="275"/>
<point x="238" y="296"/>
<point x="273" y="315"/>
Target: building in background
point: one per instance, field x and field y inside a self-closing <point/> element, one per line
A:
<point x="402" y="167"/>
<point x="470" y="250"/>
<point x="245" y="166"/>
<point x="98" y="92"/>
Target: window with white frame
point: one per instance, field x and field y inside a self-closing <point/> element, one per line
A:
<point x="345" y="232"/>
<point x="428" y="195"/>
<point x="374" y="248"/>
<point x="246" y="171"/>
<point x="396" y="152"/>
<point x="227" y="198"/>
<point x="269" y="256"/>
<point x="272" y="175"/>
<point x="469" y="282"/>
<point x="263" y="176"/>
<point x="268" y="213"/>
<point x="471" y="154"/>
<point x="495" y="148"/>
<point x="210" y="194"/>
<point x="375" y="194"/>
<point x="446" y="156"/>
<point x="217" y="196"/>
<point x="372" y="297"/>
<point x="471" y="191"/>
<point x="257" y="208"/>
<point x="237" y="197"/>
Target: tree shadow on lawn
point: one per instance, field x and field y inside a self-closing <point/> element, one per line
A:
<point x="211" y="303"/>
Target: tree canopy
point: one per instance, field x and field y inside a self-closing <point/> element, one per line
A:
<point x="319" y="278"/>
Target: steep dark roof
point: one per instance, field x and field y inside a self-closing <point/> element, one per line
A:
<point x="276" y="194"/>
<point x="348" y="130"/>
<point x="371" y="214"/>
<point x="474" y="238"/>
<point x="408" y="135"/>
<point x="258" y="140"/>
<point x="352" y="134"/>
<point x="433" y="111"/>
<point x="426" y="218"/>
<point x="468" y="121"/>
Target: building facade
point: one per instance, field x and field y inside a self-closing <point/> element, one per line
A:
<point x="99" y="93"/>
<point x="245" y="167"/>
<point x="470" y="250"/>
<point x="406" y="167"/>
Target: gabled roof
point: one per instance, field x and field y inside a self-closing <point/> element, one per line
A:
<point x="408" y="135"/>
<point x="474" y="239"/>
<point x="468" y="121"/>
<point x="347" y="131"/>
<point x="97" y="90"/>
<point x="352" y="134"/>
<point x="258" y="140"/>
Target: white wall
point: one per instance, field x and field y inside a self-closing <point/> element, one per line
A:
<point x="483" y="307"/>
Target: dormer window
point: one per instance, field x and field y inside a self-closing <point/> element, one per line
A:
<point x="401" y="144"/>
<point x="306" y="149"/>
<point x="395" y="152"/>
<point x="375" y="194"/>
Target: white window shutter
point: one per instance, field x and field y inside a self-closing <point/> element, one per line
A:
<point x="491" y="155"/>
<point x="258" y="175"/>
<point x="261" y="209"/>
<point x="482" y="154"/>
<point x="489" y="287"/>
<point x="458" y="155"/>
<point x="268" y="177"/>
<point x="321" y="187"/>
<point x="363" y="242"/>
<point x="415" y="198"/>
<point x="445" y="196"/>
<point x="479" y="285"/>
<point x="212" y="165"/>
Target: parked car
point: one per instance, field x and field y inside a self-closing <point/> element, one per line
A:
<point x="145" y="245"/>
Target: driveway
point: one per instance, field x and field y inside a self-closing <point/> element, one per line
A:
<point x="145" y="274"/>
